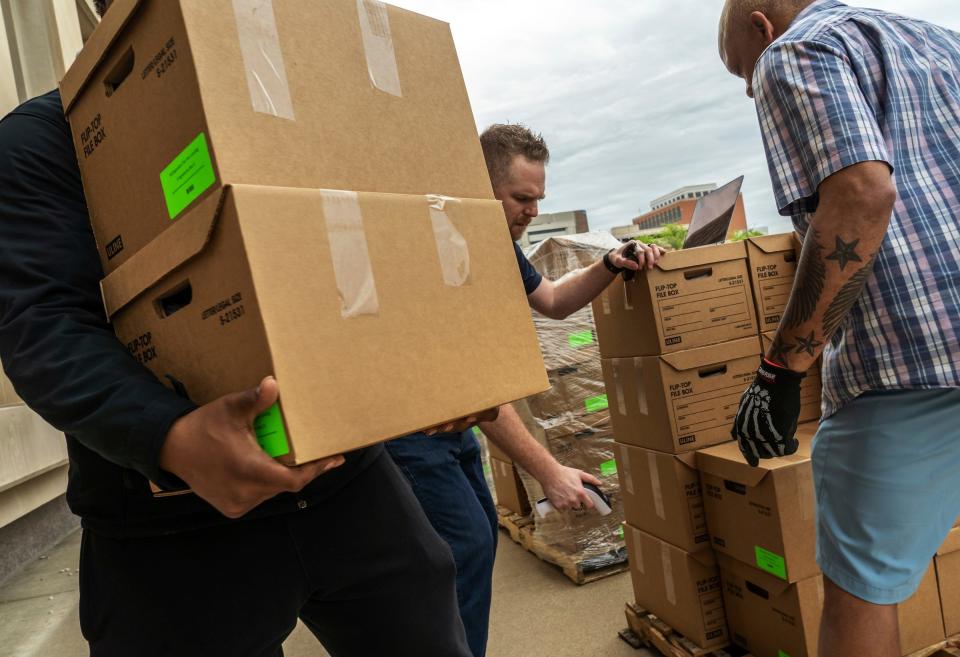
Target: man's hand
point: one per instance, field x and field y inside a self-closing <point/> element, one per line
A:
<point x="464" y="423"/>
<point x="215" y="451"/>
<point x="634" y="256"/>
<point x="564" y="488"/>
<point x="766" y="423"/>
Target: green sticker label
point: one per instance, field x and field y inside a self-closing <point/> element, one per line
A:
<point x="581" y="339"/>
<point x="271" y="434"/>
<point x="620" y="535"/>
<point x="608" y="468"/>
<point x="188" y="176"/>
<point x="486" y="468"/>
<point x="770" y="562"/>
<point x="780" y="653"/>
<point x="476" y="431"/>
<point x="597" y="403"/>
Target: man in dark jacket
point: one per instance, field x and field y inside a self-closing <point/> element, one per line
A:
<point x="228" y="570"/>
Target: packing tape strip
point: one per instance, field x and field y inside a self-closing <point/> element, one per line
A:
<point x="452" y="248"/>
<point x="626" y="474"/>
<point x="638" y="552"/>
<point x="605" y="302"/>
<point x="641" y="389"/>
<point x="263" y="58"/>
<point x="655" y="485"/>
<point x="378" y="46"/>
<point x="348" y="250"/>
<point x="668" y="583"/>
<point x="616" y="364"/>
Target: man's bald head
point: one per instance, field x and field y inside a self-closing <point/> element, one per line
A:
<point x="747" y="27"/>
<point x="736" y="14"/>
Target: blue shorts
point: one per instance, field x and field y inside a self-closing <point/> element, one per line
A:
<point x="886" y="468"/>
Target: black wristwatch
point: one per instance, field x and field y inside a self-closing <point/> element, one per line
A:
<point x="609" y="265"/>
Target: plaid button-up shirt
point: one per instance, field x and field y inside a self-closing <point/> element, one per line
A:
<point x="845" y="85"/>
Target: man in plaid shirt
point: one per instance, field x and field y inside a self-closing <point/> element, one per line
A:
<point x="860" y="115"/>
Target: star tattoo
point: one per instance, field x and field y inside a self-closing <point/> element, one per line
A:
<point x="845" y="253"/>
<point x="779" y="350"/>
<point x="808" y="345"/>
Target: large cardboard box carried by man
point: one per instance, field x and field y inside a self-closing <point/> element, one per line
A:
<point x="339" y="295"/>
<point x="172" y="99"/>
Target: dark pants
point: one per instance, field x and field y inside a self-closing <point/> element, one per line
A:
<point x="447" y="477"/>
<point x="364" y="570"/>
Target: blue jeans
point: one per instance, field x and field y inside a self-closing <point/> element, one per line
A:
<point x="446" y="475"/>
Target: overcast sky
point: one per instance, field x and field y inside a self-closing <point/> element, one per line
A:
<point x="630" y="95"/>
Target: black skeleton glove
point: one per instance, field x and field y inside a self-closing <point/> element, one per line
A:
<point x="766" y="423"/>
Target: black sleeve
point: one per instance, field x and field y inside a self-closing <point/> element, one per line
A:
<point x="55" y="343"/>
<point x="531" y="277"/>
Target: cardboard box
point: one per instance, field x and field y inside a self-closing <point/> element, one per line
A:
<point x="510" y="491"/>
<point x="339" y="295"/>
<point x="661" y="496"/>
<point x="811" y="388"/>
<point x="170" y="100"/>
<point x="768" y="616"/>
<point x="764" y="516"/>
<point x="681" y="588"/>
<point x="682" y="401"/>
<point x="691" y="298"/>
<point x="948" y="576"/>
<point x="773" y="266"/>
<point x="576" y="389"/>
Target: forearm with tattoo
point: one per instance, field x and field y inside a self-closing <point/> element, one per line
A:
<point x="837" y="259"/>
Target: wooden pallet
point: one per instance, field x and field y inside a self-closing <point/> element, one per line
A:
<point x="949" y="648"/>
<point x="647" y="631"/>
<point x="578" y="569"/>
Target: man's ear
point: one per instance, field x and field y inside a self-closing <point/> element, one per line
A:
<point x="761" y="25"/>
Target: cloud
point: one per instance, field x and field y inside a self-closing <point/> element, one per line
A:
<point x="631" y="96"/>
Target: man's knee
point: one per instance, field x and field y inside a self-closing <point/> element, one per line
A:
<point x="837" y="600"/>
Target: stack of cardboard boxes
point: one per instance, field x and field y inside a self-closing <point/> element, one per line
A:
<point x="572" y="419"/>
<point x="298" y="189"/>
<point x="680" y="344"/>
<point x="762" y="526"/>
<point x="721" y="551"/>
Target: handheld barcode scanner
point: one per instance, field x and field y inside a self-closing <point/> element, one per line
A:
<point x="601" y="503"/>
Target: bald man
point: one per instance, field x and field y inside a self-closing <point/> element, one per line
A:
<point x="859" y="112"/>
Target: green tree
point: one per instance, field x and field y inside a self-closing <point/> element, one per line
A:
<point x="741" y="235"/>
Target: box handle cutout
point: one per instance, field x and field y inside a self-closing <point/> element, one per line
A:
<point x="120" y="71"/>
<point x="756" y="590"/>
<point x="790" y="256"/>
<point x="698" y="273"/>
<point x="174" y="301"/>
<point x="734" y="487"/>
<point x="716" y="370"/>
